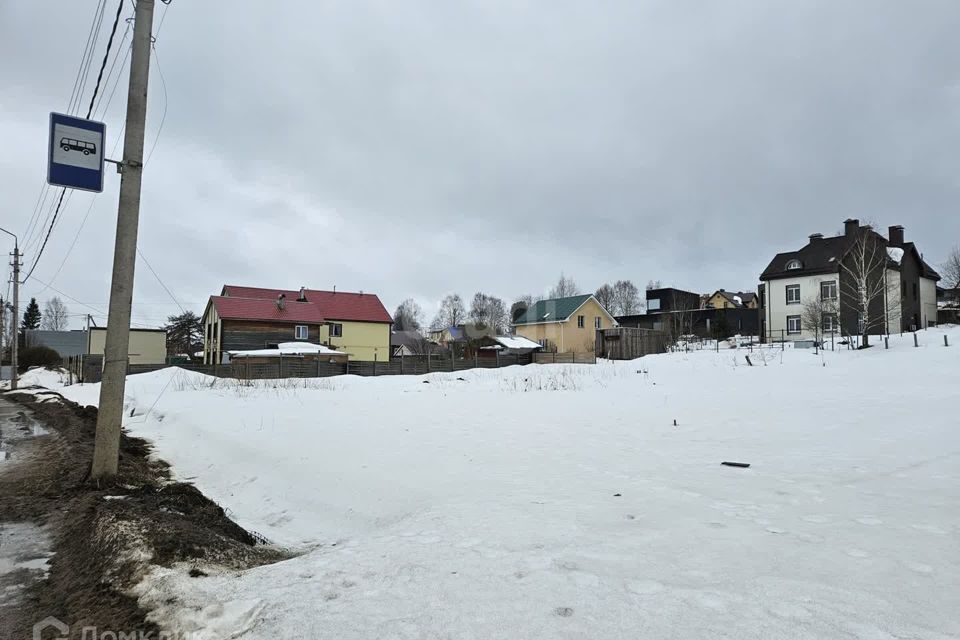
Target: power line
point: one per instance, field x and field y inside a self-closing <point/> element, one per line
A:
<point x="147" y="262"/>
<point x="163" y="118"/>
<point x="87" y="56"/>
<point x="47" y="237"/>
<point x="97" y="312"/>
<point x="113" y="65"/>
<point x="106" y="56"/>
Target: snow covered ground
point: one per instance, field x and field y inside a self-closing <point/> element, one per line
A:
<point x="560" y="501"/>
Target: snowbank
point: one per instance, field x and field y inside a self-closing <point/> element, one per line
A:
<point x="572" y="501"/>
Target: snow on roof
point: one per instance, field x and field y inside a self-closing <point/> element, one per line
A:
<point x="517" y="342"/>
<point x="288" y="349"/>
<point x="895" y="254"/>
<point x="738" y="299"/>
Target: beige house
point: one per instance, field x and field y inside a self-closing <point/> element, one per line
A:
<point x="147" y="346"/>
<point x="722" y="299"/>
<point x="564" y="324"/>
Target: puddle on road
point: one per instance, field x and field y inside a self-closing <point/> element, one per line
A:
<point x="25" y="552"/>
<point x="16" y="425"/>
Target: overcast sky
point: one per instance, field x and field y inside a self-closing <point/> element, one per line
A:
<point x="421" y="148"/>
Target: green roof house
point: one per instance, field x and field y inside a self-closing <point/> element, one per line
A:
<point x="564" y="324"/>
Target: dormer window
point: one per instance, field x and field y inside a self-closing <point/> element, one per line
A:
<point x="794" y="264"/>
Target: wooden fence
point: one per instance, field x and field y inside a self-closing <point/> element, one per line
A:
<point x="91" y="368"/>
<point x="627" y="343"/>
<point x="565" y="358"/>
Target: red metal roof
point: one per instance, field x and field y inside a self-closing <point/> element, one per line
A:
<point x="234" y="308"/>
<point x="332" y="305"/>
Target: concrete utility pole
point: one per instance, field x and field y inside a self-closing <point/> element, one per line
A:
<point x="107" y="443"/>
<point x="16" y="310"/>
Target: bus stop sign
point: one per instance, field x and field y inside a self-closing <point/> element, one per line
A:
<point x="75" y="157"/>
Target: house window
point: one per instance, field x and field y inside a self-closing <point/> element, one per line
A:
<point x="580" y="322"/>
<point x="653" y="304"/>
<point x="793" y="324"/>
<point x="794" y="264"/>
<point x="596" y="322"/>
<point x="828" y="290"/>
<point x="829" y="323"/>
<point x="301" y="332"/>
<point x="336" y="330"/>
<point x="793" y="294"/>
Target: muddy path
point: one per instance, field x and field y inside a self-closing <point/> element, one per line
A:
<point x="71" y="549"/>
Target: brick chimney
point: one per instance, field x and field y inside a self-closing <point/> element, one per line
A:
<point x="895" y="234"/>
<point x="850" y="227"/>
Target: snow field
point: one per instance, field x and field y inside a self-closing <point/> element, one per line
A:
<point x="486" y="507"/>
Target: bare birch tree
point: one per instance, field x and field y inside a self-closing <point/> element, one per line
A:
<point x="863" y="284"/>
<point x="564" y="288"/>
<point x="606" y="296"/>
<point x="951" y="269"/>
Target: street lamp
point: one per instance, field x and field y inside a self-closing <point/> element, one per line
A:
<point x="16" y="310"/>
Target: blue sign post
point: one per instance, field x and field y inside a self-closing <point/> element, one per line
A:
<point x="75" y="156"/>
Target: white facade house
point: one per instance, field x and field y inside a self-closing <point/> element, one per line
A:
<point x="784" y="303"/>
<point x="820" y="273"/>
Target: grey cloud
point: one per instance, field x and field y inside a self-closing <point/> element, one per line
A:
<point x="461" y="146"/>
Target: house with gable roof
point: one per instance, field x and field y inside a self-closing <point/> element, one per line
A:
<point x="563" y="324"/>
<point x="253" y="318"/>
<point x="821" y="270"/>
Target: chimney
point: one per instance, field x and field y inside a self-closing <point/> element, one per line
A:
<point x="281" y="301"/>
<point x="896" y="236"/>
<point x="303" y="295"/>
<point x="816" y="236"/>
<point x="850" y="227"/>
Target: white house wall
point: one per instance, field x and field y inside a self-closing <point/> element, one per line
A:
<point x="893" y="305"/>
<point x="777" y="308"/>
<point x="928" y="301"/>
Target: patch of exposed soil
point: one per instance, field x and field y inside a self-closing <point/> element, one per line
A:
<point x="104" y="537"/>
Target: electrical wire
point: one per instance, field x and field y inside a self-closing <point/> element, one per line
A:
<point x="106" y="56"/>
<point x="165" y="288"/>
<point x="163" y="118"/>
<point x="113" y="65"/>
<point x="87" y="56"/>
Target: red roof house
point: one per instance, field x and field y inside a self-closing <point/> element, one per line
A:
<point x="245" y="318"/>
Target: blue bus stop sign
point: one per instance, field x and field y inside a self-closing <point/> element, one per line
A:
<point x="75" y="156"/>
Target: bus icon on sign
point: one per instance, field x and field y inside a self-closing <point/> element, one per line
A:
<point x="70" y="144"/>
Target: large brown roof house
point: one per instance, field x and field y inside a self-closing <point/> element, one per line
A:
<point x="822" y="271"/>
<point x="245" y="318"/>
